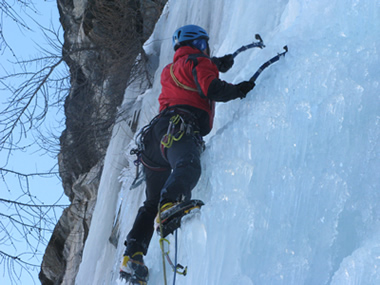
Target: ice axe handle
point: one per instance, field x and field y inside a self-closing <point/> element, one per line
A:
<point x="259" y="44"/>
<point x="268" y="63"/>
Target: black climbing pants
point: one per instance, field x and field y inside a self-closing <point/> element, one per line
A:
<point x="168" y="179"/>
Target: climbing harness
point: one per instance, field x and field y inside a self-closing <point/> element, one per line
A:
<point x="181" y="123"/>
<point x="176" y="129"/>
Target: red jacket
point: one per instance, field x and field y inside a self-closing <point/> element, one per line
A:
<point x="195" y="71"/>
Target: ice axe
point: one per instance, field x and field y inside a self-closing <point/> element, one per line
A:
<point x="268" y="63"/>
<point x="259" y="44"/>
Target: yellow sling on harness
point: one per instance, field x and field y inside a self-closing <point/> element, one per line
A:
<point x="179" y="84"/>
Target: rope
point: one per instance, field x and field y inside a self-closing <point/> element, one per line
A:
<point x="179" y="84"/>
<point x="175" y="255"/>
<point x="162" y="244"/>
<point x="176" y="267"/>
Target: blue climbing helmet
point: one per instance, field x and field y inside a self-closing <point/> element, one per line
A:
<point x="190" y="35"/>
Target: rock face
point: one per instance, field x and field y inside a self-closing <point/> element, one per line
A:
<point x="102" y="40"/>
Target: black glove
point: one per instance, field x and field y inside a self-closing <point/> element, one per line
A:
<point x="245" y="87"/>
<point x="223" y="63"/>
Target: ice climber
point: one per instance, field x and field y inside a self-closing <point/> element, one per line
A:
<point x="173" y="140"/>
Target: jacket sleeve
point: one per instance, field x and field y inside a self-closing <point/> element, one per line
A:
<point x="207" y="80"/>
<point x="221" y="91"/>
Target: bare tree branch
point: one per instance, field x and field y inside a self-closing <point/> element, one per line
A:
<point x="31" y="88"/>
<point x="114" y="32"/>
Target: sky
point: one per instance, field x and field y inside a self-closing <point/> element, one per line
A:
<point x="26" y="44"/>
